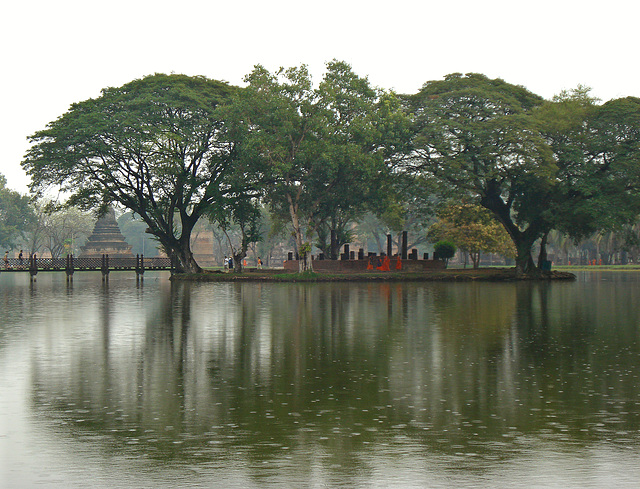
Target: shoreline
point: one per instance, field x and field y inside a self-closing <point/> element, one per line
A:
<point x="449" y="275"/>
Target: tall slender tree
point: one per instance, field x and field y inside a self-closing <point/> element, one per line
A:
<point x="323" y="149"/>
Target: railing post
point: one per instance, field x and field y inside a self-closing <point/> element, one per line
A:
<point x="139" y="267"/>
<point x="33" y="267"/>
<point x="105" y="268"/>
<point x="69" y="267"/>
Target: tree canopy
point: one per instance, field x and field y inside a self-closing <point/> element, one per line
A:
<point x="322" y="149"/>
<point x="596" y="149"/>
<point x="473" y="229"/>
<point x="536" y="166"/>
<point x="173" y="148"/>
<point x="158" y="146"/>
<point x="15" y="215"/>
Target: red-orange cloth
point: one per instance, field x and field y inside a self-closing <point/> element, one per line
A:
<point x="398" y="264"/>
<point x="386" y="265"/>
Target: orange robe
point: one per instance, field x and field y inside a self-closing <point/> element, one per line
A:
<point x="386" y="265"/>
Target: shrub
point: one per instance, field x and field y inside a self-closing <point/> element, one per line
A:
<point x="444" y="250"/>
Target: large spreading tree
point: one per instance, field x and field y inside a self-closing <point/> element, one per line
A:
<point x="536" y="165"/>
<point x="158" y="146"/>
<point x="596" y="149"/>
<point x="478" y="136"/>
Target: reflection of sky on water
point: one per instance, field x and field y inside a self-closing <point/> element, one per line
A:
<point x="332" y="385"/>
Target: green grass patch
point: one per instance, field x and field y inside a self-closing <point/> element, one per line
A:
<point x="599" y="268"/>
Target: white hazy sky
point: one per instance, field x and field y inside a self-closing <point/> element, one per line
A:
<point x="55" y="53"/>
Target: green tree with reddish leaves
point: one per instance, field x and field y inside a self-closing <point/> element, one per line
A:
<point x="473" y="229"/>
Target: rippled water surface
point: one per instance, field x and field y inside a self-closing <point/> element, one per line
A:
<point x="319" y="385"/>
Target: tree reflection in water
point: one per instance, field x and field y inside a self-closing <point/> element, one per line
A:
<point x="330" y="378"/>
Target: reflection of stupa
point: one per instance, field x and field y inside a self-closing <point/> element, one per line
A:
<point x="106" y="239"/>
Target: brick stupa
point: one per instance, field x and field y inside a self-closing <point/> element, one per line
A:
<point x="106" y="239"/>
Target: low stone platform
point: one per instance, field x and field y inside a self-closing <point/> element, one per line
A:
<point x="361" y="265"/>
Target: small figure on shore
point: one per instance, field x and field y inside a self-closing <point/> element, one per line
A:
<point x="21" y="259"/>
<point x="259" y="263"/>
<point x="6" y="259"/>
<point x="230" y="263"/>
<point x="385" y="266"/>
<point x="370" y="264"/>
<point x="226" y="263"/>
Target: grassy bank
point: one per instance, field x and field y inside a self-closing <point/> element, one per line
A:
<point x="599" y="268"/>
<point x="451" y="275"/>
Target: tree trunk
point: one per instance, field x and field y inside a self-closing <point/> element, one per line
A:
<point x="523" y="240"/>
<point x="304" y="264"/>
<point x="186" y="262"/>
<point x="241" y="254"/>
<point x="237" y="260"/>
<point x="524" y="261"/>
<point x="542" y="257"/>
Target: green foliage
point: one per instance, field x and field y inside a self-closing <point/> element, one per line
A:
<point x="568" y="164"/>
<point x="243" y="214"/>
<point x="596" y="148"/>
<point x="321" y="151"/>
<point x="444" y="250"/>
<point x="16" y="215"/>
<point x="135" y="234"/>
<point x="58" y="229"/>
<point x="471" y="228"/>
<point x="477" y="137"/>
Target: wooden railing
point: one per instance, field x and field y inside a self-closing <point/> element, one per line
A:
<point x="71" y="264"/>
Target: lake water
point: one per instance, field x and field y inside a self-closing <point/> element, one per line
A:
<point x="367" y="385"/>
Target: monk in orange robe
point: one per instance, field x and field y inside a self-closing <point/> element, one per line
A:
<point x="386" y="265"/>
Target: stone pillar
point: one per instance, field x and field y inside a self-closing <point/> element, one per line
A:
<point x="389" y="245"/>
<point x="404" y="245"/>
